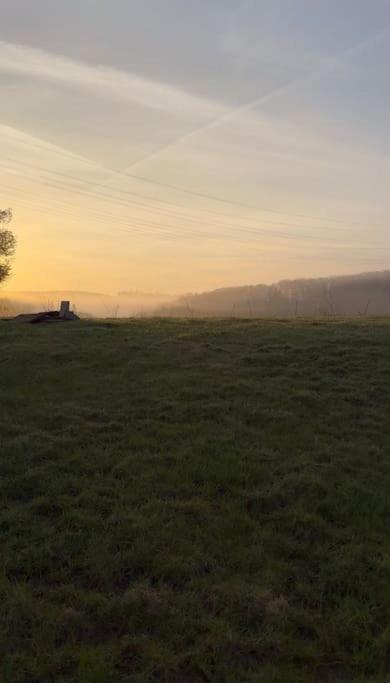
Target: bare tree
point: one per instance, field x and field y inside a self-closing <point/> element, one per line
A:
<point x="7" y="244"/>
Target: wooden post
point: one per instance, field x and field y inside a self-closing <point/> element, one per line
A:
<point x="65" y="309"/>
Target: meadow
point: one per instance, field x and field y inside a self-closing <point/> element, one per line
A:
<point x="195" y="501"/>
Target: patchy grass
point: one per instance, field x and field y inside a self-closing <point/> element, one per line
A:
<point x="187" y="501"/>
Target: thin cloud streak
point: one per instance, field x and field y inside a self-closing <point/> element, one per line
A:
<point x="26" y="61"/>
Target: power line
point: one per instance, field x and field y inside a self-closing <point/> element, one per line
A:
<point x="187" y="191"/>
<point x="255" y="232"/>
<point x="151" y="199"/>
<point x="105" y="196"/>
<point x="151" y="229"/>
<point x="147" y="207"/>
<point x="249" y="206"/>
<point x="100" y="218"/>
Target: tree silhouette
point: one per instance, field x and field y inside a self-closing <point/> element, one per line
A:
<point x="7" y="244"/>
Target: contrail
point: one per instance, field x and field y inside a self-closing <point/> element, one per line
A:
<point x="326" y="68"/>
<point x="273" y="94"/>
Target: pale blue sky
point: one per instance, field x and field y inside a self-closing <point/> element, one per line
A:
<point x="281" y="106"/>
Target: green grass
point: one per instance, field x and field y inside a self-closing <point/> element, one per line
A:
<point x="187" y="501"/>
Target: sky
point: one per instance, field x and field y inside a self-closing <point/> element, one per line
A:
<point x="183" y="145"/>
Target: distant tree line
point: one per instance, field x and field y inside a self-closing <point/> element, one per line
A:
<point x="363" y="295"/>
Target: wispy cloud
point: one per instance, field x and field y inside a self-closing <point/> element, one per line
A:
<point x="108" y="82"/>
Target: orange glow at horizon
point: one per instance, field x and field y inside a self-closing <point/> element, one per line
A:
<point x="128" y="169"/>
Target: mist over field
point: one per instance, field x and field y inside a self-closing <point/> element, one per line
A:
<point x="362" y="295"/>
<point x="87" y="304"/>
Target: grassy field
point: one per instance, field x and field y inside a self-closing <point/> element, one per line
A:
<point x="187" y="501"/>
